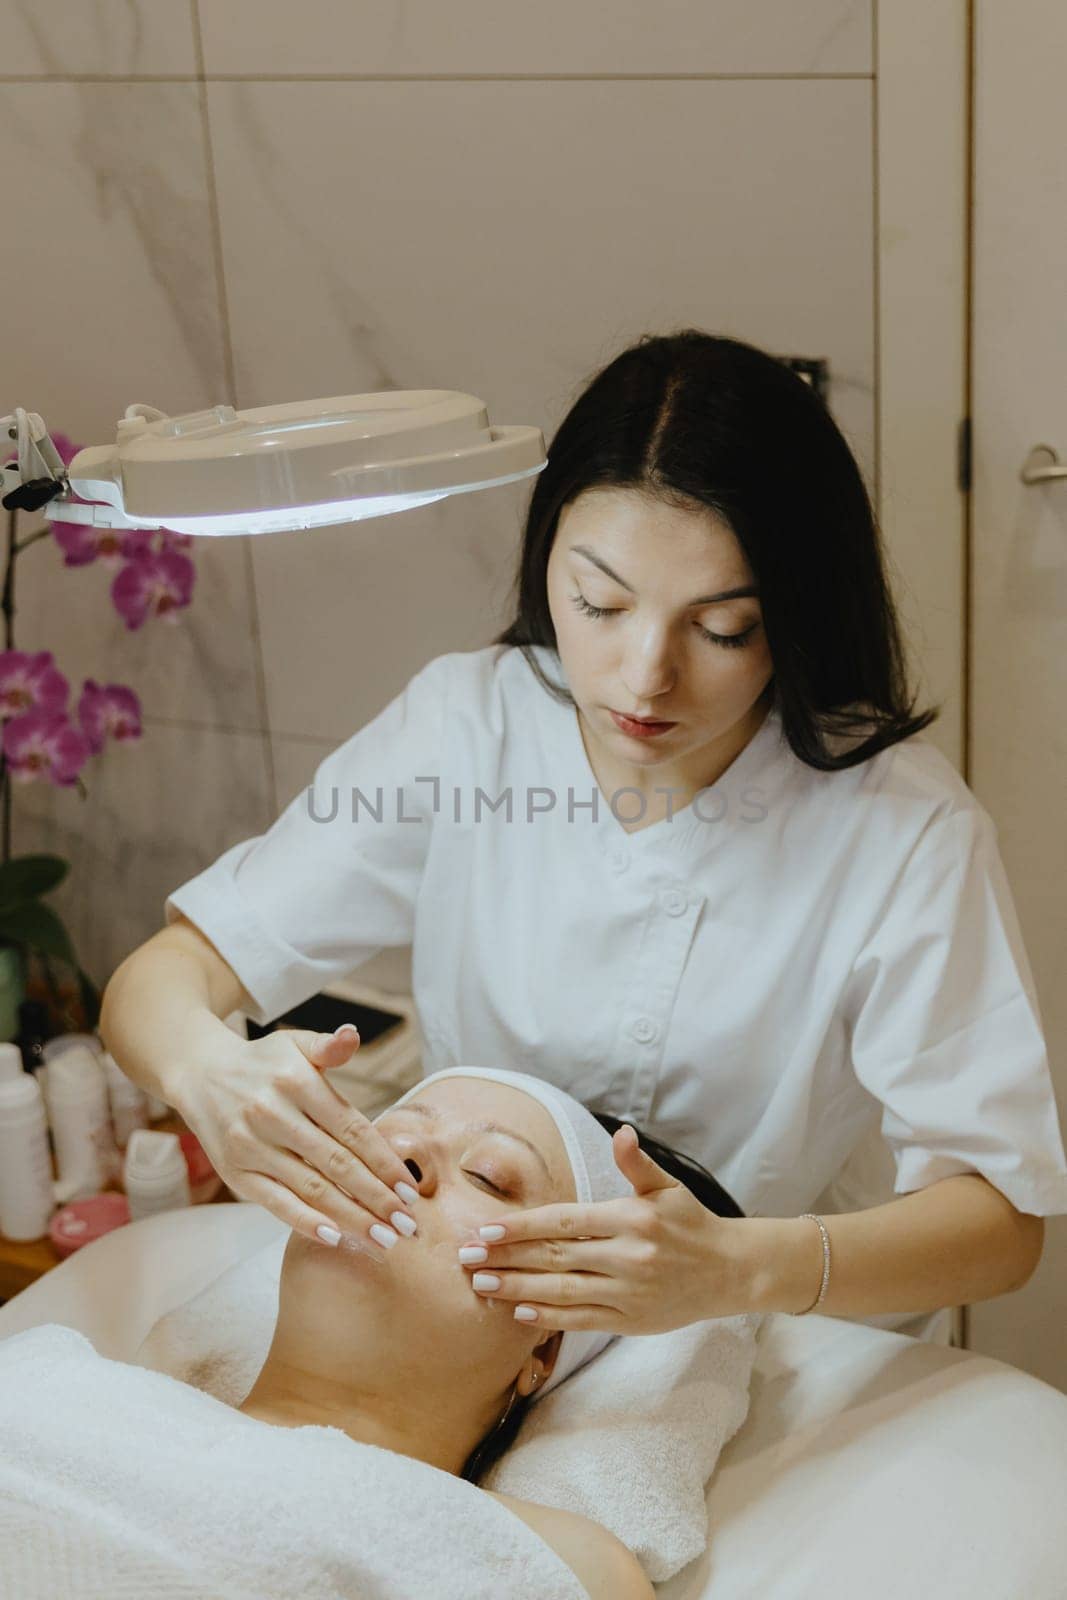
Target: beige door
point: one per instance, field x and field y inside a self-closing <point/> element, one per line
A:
<point x="1018" y="578"/>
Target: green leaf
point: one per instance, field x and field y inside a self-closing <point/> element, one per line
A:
<point x="35" y="926"/>
<point x="27" y="877"/>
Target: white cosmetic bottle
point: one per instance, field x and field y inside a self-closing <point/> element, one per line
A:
<point x="155" y="1175"/>
<point x="67" y="1041"/>
<point x="80" y="1117"/>
<point x="129" y="1108"/>
<point x="26" y="1194"/>
<point x="57" y="1045"/>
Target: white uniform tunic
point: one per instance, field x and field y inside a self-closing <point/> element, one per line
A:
<point x="759" y="980"/>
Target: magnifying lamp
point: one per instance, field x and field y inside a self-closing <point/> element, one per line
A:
<point x="305" y="465"/>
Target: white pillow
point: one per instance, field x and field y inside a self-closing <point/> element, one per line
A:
<point x="631" y="1440"/>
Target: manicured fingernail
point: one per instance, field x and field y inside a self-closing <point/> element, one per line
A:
<point x="492" y="1230"/>
<point x="525" y="1314"/>
<point x="328" y="1235"/>
<point x="406" y="1193"/>
<point x="402" y="1222"/>
<point x="473" y="1252"/>
<point x="486" y="1281"/>
<point x="346" y="1030"/>
<point x="385" y="1236"/>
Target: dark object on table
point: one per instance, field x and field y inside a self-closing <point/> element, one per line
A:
<point x="32" y="1034"/>
<point x="325" y="1012"/>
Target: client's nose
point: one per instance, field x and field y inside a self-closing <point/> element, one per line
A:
<point x="417" y="1151"/>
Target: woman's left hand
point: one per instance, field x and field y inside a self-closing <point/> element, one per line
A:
<point x="656" y="1261"/>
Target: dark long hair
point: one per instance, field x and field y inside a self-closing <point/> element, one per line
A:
<point x="699" y="1181"/>
<point x="695" y="417"/>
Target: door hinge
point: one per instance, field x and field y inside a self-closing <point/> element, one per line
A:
<point x="963" y="455"/>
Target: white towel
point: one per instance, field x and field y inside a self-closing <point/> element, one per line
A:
<point x="219" y="1340"/>
<point x="664" y="1405"/>
<point x="123" y="1482"/>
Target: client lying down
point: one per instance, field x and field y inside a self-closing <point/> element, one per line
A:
<point x="351" y="1467"/>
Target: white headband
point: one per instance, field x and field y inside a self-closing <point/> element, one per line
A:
<point x="596" y="1177"/>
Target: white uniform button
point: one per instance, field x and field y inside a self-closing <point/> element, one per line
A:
<point x="674" y="902"/>
<point x="644" y="1029"/>
<point x="618" y="860"/>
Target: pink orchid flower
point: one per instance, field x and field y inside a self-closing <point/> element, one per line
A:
<point x="170" y="539"/>
<point x="82" y="543"/>
<point x="44" y="744"/>
<point x="30" y="682"/>
<point x="111" y="709"/>
<point x="154" y="585"/>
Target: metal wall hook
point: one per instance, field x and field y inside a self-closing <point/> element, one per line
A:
<point x="1031" y="473"/>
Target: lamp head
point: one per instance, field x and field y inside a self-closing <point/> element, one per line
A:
<point x="308" y="464"/>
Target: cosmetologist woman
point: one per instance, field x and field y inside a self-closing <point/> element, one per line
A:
<point x="676" y="843"/>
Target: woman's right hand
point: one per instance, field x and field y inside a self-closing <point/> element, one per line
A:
<point x="279" y="1134"/>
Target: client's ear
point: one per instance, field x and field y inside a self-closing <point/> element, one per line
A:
<point x="539" y="1364"/>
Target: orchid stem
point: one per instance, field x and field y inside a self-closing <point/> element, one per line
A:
<point x="24" y="544"/>
<point x="9" y="638"/>
<point x="8" y="602"/>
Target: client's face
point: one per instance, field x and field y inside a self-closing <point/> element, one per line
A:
<point x="406" y="1328"/>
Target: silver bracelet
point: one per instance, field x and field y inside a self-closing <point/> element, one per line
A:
<point x="825" y="1284"/>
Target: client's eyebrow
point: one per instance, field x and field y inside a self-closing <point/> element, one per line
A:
<point x="423" y="1110"/>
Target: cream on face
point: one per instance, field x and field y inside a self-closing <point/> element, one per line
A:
<point x="404" y="1352"/>
<point x="476" y="1149"/>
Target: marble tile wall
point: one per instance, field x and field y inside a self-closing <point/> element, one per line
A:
<point x="244" y="201"/>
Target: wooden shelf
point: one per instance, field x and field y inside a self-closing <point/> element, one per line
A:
<point x="22" y="1264"/>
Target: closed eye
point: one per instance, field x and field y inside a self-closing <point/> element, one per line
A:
<point x="503" y="1193"/>
<point x="727" y="641"/>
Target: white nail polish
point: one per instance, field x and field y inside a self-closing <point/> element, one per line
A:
<point x="328" y="1235"/>
<point x="403" y="1223"/>
<point x="406" y="1192"/>
<point x="385" y="1236"/>
<point x="473" y="1252"/>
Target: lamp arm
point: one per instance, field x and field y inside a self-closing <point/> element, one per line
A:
<point x="38" y="474"/>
